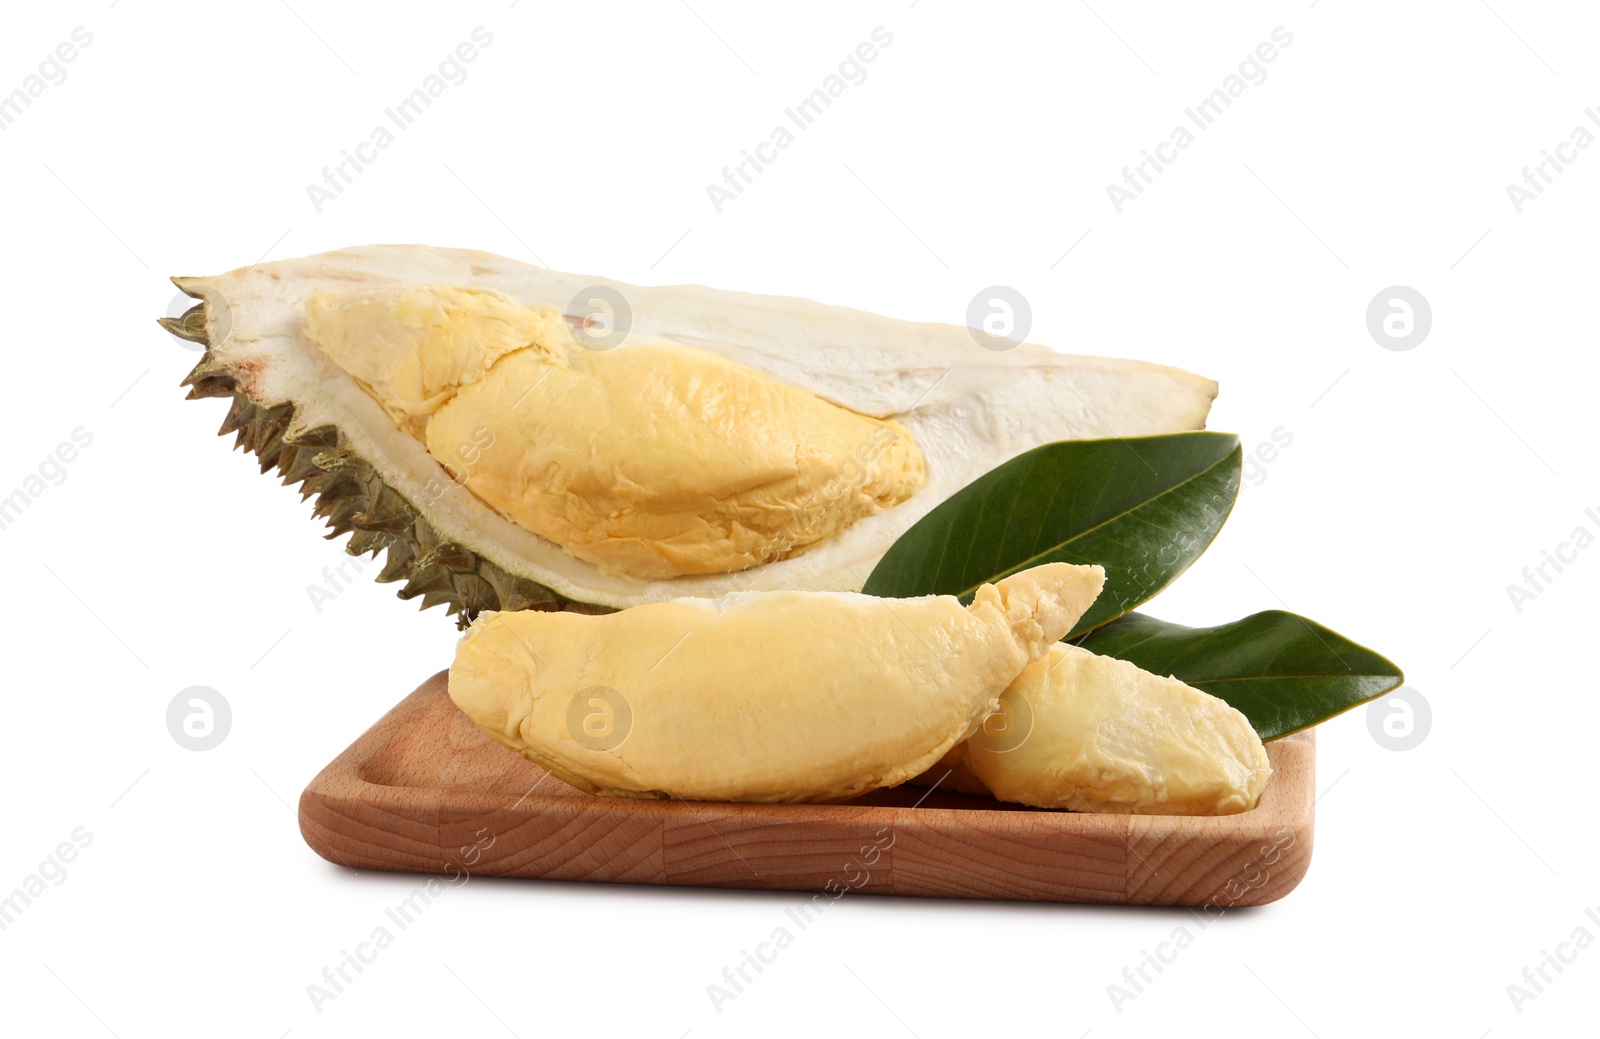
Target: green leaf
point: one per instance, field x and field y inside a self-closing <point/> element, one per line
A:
<point x="1143" y="507"/>
<point x="1283" y="672"/>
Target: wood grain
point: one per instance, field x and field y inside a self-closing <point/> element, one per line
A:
<point x="425" y="791"/>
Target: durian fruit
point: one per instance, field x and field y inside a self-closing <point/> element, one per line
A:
<point x="465" y="413"/>
<point x="759" y="696"/>
<point x="1095" y="734"/>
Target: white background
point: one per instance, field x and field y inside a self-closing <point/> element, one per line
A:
<point x="1418" y="485"/>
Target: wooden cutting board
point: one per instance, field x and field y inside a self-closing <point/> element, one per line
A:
<point x="425" y="791"/>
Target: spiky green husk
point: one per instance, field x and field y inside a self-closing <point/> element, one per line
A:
<point x="354" y="500"/>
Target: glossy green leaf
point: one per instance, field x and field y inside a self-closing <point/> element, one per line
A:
<point x="1142" y="507"/>
<point x="1284" y="672"/>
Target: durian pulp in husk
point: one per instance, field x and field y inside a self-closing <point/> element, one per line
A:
<point x="965" y="408"/>
<point x="654" y="461"/>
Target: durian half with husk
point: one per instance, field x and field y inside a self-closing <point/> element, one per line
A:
<point x="470" y="415"/>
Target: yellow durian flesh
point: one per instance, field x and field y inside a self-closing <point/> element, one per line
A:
<point x="759" y="696"/>
<point x="413" y="347"/>
<point x="1091" y="733"/>
<point x="651" y="460"/>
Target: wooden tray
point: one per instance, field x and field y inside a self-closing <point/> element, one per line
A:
<point x="424" y="791"/>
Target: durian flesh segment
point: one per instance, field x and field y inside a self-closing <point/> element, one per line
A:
<point x="1097" y="734"/>
<point x="759" y="696"/>
<point x="413" y="347"/>
<point x="652" y="460"/>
